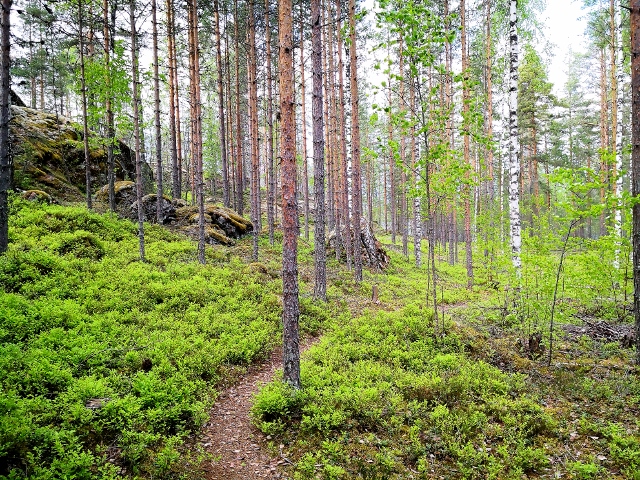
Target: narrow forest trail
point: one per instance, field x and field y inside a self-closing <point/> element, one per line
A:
<point x="239" y="449"/>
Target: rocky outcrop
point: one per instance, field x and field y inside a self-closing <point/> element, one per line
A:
<point x="373" y="254"/>
<point x="48" y="155"/>
<point x="222" y="225"/>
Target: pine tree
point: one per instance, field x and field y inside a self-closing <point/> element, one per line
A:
<point x="291" y="308"/>
<point x="320" y="287"/>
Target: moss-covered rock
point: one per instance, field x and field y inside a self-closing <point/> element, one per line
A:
<point x="48" y="155"/>
<point x="227" y="224"/>
<point x="37" y="196"/>
<point x="150" y="208"/>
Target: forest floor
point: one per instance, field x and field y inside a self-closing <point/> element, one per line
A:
<point x="238" y="450"/>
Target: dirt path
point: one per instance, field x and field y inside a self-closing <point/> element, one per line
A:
<point x="238" y="448"/>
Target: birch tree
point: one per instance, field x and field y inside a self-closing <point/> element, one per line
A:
<point x="514" y="144"/>
<point x="635" y="161"/>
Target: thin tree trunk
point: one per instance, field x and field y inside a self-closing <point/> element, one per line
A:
<point x="320" y="287"/>
<point x="158" y="126"/>
<point x="415" y="177"/>
<point x="342" y="139"/>
<point x="514" y="145"/>
<point x="327" y="122"/>
<point x="291" y="309"/>
<point x="303" y="115"/>
<point x="404" y="215"/>
<point x="355" y="144"/>
<point x="136" y="126"/>
<point x="392" y="166"/>
<point x="223" y="134"/>
<point x="617" y="100"/>
<point x="239" y="172"/>
<point x="109" y="111"/>
<point x="175" y="174"/>
<point x="335" y="145"/>
<point x="5" y="112"/>
<point x="196" y="123"/>
<point x="271" y="179"/>
<point x="604" y="139"/>
<point x="467" y="160"/>
<point x="253" y="124"/>
<point x="85" y="126"/>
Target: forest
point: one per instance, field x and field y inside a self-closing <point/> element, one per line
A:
<point x="318" y="239"/>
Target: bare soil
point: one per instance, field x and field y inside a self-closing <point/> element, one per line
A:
<point x="239" y="449"/>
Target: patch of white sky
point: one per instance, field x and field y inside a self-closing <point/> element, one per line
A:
<point x="564" y="25"/>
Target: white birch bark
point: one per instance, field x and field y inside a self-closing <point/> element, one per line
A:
<point x="617" y="212"/>
<point x="514" y="145"/>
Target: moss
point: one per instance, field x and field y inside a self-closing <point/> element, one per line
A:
<point x="37" y="195"/>
<point x="103" y="193"/>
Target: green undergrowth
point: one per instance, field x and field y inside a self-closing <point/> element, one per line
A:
<point x="107" y="364"/>
<point x="383" y="398"/>
<point x="386" y="396"/>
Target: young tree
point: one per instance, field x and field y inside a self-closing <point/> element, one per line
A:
<point x="5" y="156"/>
<point x="290" y="227"/>
<point x="320" y="288"/>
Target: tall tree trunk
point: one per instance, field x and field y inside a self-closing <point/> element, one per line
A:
<point x="404" y="216"/>
<point x="467" y="160"/>
<point x="271" y="179"/>
<point x="253" y="124"/>
<point x="5" y="112"/>
<point x="514" y="145"/>
<point x="604" y="139"/>
<point x="303" y="115"/>
<point x="196" y="122"/>
<point x="328" y="130"/>
<point x="85" y="126"/>
<point x="223" y="134"/>
<point x="291" y="308"/>
<point x="239" y="169"/>
<point x="176" y="101"/>
<point x="617" y="100"/>
<point x="320" y="287"/>
<point x="334" y="143"/>
<point x="109" y="111"/>
<point x="448" y="103"/>
<point x="346" y="215"/>
<point x="489" y="132"/>
<point x="136" y="125"/>
<point x="635" y="162"/>
<point x="415" y="178"/>
<point x="175" y="175"/>
<point x="355" y="144"/>
<point x="157" y="124"/>
<point x="392" y="164"/>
